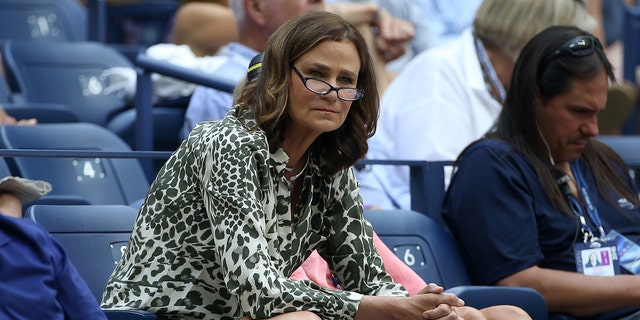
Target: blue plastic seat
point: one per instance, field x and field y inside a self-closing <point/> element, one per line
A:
<point x="70" y="73"/>
<point x="631" y="58"/>
<point x="167" y="123"/>
<point x="94" y="237"/>
<point x="628" y="148"/>
<point x="145" y="132"/>
<point x="43" y="20"/>
<point x="92" y="180"/>
<point x="45" y="113"/>
<point x="67" y="73"/>
<point x="631" y="42"/>
<point x="422" y="239"/>
<point x="4" y="169"/>
<point x="426" y="247"/>
<point x="153" y="20"/>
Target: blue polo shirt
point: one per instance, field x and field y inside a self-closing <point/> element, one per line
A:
<point x="37" y="280"/>
<point x="506" y="223"/>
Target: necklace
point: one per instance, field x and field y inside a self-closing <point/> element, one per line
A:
<point x="297" y="175"/>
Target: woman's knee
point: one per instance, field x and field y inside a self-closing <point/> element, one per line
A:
<point x="470" y="313"/>
<point x="298" y="315"/>
<point x="506" y="312"/>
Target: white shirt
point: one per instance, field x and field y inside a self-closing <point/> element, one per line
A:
<point x="431" y="111"/>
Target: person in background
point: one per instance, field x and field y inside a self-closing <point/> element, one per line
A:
<point x="404" y="9"/>
<point x="450" y="95"/>
<point x="37" y="279"/>
<point x="622" y="96"/>
<point x="245" y="200"/>
<point x="205" y="26"/>
<point x="448" y="19"/>
<point x="256" y="21"/>
<point x="537" y="193"/>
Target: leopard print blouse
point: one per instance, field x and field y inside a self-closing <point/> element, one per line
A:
<point x="215" y="238"/>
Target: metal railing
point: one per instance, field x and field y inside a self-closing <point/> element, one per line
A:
<point x="426" y="178"/>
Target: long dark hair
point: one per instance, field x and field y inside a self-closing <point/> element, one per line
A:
<point x="540" y="74"/>
<point x="268" y="96"/>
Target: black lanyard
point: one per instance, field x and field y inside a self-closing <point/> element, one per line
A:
<point x="488" y="70"/>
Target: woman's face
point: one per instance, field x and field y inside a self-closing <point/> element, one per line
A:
<point x="569" y="120"/>
<point x="338" y="64"/>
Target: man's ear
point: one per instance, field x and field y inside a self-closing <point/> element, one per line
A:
<point x="255" y="10"/>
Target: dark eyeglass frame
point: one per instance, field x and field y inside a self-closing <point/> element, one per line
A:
<point x="359" y="92"/>
<point x="579" y="46"/>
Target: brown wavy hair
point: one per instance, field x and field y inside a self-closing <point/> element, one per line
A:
<point x="267" y="97"/>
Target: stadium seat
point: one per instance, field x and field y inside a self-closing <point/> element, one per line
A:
<point x="144" y="137"/>
<point x="42" y="20"/>
<point x="152" y="21"/>
<point x="4" y="168"/>
<point x="167" y="123"/>
<point x="94" y="237"/>
<point x="67" y="73"/>
<point x="424" y="242"/>
<point x="70" y="73"/>
<point x="628" y="147"/>
<point x="631" y="42"/>
<point x="75" y="180"/>
<point x="426" y="247"/>
<point x="45" y="113"/>
<point x="631" y="59"/>
<point x="5" y="92"/>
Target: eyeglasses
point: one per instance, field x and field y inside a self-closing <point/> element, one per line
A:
<point x="577" y="47"/>
<point x="321" y="87"/>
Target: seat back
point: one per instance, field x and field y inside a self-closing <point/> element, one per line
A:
<point x="59" y="20"/>
<point x="5" y="93"/>
<point x="143" y="131"/>
<point x="427" y="248"/>
<point x="152" y="21"/>
<point x="4" y="168"/>
<point x="167" y="122"/>
<point x="97" y="180"/>
<point x="628" y="147"/>
<point x="631" y="58"/>
<point x="93" y="236"/>
<point x="631" y="53"/>
<point x="67" y="73"/>
<point x="422" y="243"/>
<point x="43" y="112"/>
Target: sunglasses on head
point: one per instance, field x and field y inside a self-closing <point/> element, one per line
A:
<point x="577" y="47"/>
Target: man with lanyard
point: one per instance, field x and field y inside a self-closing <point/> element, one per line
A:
<point x="594" y="242"/>
<point x="533" y="199"/>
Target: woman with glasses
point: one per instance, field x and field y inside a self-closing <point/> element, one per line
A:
<point x="244" y="200"/>
<point x="538" y="194"/>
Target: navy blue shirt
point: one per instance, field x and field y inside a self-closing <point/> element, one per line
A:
<point x="37" y="280"/>
<point x="506" y="223"/>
